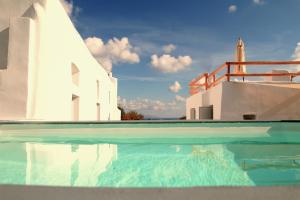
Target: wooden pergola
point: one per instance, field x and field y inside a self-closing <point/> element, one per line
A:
<point x="208" y="80"/>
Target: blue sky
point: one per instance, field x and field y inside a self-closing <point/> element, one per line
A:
<point x="204" y="30"/>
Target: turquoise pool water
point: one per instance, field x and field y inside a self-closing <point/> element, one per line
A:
<point x="150" y="154"/>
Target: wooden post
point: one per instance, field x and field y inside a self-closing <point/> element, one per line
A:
<point x="228" y="72"/>
<point x="206" y="81"/>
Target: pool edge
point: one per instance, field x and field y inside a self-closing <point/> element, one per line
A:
<point x="3" y="122"/>
<point x="9" y="192"/>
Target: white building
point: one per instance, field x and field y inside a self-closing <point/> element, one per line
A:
<point x="77" y="165"/>
<point x="46" y="70"/>
<point x="271" y="96"/>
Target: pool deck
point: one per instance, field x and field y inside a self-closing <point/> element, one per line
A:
<point x="207" y="193"/>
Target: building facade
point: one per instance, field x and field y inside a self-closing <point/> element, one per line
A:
<point x="238" y="101"/>
<point x="228" y="94"/>
<point x="46" y="70"/>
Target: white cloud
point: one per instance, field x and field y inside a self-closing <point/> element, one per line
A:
<point x="115" y="51"/>
<point x="169" y="48"/>
<point x="68" y="6"/>
<point x="169" y="64"/>
<point x="258" y="2"/>
<point x="142" y="104"/>
<point x="297" y="52"/>
<point x="296" y="56"/>
<point x="151" y="107"/>
<point x="71" y="9"/>
<point x="180" y="98"/>
<point x="175" y="87"/>
<point x="141" y="78"/>
<point x="232" y="8"/>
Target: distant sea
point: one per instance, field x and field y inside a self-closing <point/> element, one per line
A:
<point x="157" y="118"/>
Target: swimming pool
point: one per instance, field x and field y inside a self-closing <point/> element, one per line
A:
<point x="156" y="154"/>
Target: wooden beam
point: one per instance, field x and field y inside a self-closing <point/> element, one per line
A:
<point x="217" y="81"/>
<point x="217" y="70"/>
<point x="198" y="79"/>
<point x="265" y="63"/>
<point x="194" y="86"/>
<point x="228" y="72"/>
<point x="264" y="74"/>
<point x="197" y="85"/>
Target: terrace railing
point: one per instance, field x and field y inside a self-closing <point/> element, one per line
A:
<point x="206" y="81"/>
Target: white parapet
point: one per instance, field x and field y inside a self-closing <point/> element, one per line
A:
<point x="247" y="100"/>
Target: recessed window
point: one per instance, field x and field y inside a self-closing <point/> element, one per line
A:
<point x="98" y="111"/>
<point x="109" y="97"/>
<point x="4" y="39"/>
<point x="75" y="75"/>
<point x="75" y="108"/>
<point x="249" y="117"/>
<point x="206" y="113"/>
<point x="193" y="113"/>
<point x="98" y="90"/>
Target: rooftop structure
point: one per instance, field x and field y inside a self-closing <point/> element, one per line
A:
<point x="220" y="96"/>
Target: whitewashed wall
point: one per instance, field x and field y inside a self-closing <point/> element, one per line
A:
<point x="206" y="98"/>
<point x="232" y="100"/>
<point x="37" y="81"/>
<point x="268" y="101"/>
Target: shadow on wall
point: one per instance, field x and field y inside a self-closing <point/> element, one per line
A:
<point x="281" y="106"/>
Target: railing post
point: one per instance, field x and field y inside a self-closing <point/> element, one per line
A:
<point x="206" y="81"/>
<point x="228" y="72"/>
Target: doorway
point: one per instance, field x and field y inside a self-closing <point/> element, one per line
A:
<point x="193" y="114"/>
<point x="75" y="107"/>
<point x="98" y="111"/>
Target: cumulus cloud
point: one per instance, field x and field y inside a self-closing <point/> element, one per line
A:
<point x="180" y="98"/>
<point x="169" y="64"/>
<point x="153" y="107"/>
<point x="144" y="104"/>
<point x="297" y="52"/>
<point x="115" y="51"/>
<point x="296" y="56"/>
<point x="232" y="8"/>
<point x="169" y="48"/>
<point x="70" y="8"/>
<point x="176" y="87"/>
<point x="258" y="2"/>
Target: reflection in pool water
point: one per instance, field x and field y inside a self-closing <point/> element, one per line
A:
<point x="151" y="155"/>
<point x="149" y="165"/>
<point x="174" y="166"/>
<point x="54" y="164"/>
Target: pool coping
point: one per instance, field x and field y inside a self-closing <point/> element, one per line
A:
<point x="14" y="192"/>
<point x="4" y="122"/>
